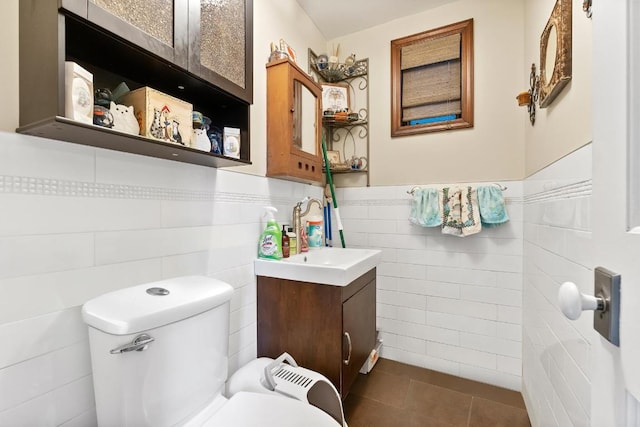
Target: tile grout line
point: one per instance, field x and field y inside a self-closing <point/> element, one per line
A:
<point x="406" y="395"/>
<point x="470" y="409"/>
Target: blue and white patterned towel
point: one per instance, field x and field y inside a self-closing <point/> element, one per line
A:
<point x="493" y="211"/>
<point x="425" y="208"/>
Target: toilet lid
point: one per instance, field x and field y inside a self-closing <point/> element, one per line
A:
<point x="246" y="409"/>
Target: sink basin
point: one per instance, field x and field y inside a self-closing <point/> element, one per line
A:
<point x="330" y="266"/>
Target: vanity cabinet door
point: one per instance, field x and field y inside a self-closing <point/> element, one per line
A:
<point x="303" y="319"/>
<point x="359" y="333"/>
<point x="311" y="322"/>
<point x="221" y="44"/>
<point x="157" y="26"/>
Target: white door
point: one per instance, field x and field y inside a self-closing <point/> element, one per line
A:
<point x="616" y="202"/>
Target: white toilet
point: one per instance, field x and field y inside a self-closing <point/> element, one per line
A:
<point x="159" y="357"/>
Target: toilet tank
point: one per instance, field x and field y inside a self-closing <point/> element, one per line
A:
<point x="183" y="368"/>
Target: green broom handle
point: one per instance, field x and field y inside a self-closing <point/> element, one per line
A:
<point x="333" y="194"/>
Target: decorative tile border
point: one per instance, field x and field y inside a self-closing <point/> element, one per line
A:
<point x="569" y="191"/>
<point x="404" y="202"/>
<point x="63" y="188"/>
<point x="374" y="202"/>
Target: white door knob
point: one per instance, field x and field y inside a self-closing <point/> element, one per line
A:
<point x="572" y="302"/>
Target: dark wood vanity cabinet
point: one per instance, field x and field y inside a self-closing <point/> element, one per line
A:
<point x="156" y="43"/>
<point x="326" y="328"/>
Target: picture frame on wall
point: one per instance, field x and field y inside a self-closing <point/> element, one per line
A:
<point x="335" y="97"/>
<point x="333" y="157"/>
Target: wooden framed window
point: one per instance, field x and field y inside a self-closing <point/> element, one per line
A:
<point x="432" y="80"/>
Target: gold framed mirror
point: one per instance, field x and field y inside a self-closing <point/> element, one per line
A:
<point x="555" y="53"/>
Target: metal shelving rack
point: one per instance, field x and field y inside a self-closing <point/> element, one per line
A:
<point x="349" y="138"/>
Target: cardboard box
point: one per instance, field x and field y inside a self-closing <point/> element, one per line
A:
<point x="161" y="116"/>
<point x="78" y="99"/>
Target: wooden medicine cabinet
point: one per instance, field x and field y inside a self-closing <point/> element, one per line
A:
<point x="293" y="123"/>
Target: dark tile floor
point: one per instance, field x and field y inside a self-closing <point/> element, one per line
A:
<point x="395" y="394"/>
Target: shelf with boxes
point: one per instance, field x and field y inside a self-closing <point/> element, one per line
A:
<point x="50" y="38"/>
<point x="345" y="116"/>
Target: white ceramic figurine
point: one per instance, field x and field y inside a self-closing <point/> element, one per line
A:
<point x="200" y="140"/>
<point x="124" y="119"/>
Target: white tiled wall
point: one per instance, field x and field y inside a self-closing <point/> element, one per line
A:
<point x="557" y="248"/>
<point x="446" y="303"/>
<point x="76" y="222"/>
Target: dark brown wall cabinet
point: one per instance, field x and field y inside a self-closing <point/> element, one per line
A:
<point x="330" y="329"/>
<point x="189" y="49"/>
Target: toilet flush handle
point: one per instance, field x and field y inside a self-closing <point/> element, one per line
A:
<point x="139" y="343"/>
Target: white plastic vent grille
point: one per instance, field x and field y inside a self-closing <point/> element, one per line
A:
<point x="293" y="377"/>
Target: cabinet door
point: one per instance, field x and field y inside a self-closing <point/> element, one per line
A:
<point x="293" y="117"/>
<point x="359" y="333"/>
<point x="158" y="26"/>
<point x="302" y="319"/>
<point x="221" y="44"/>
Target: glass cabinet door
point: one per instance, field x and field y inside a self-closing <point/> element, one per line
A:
<point x="221" y="33"/>
<point x="304" y="115"/>
<point x="159" y="26"/>
<point x="212" y="39"/>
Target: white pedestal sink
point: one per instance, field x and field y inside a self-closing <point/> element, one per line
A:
<point x="330" y="266"/>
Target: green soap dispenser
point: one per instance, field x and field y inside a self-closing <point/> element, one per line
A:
<point x="270" y="244"/>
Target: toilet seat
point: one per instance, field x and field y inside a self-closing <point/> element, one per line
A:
<point x="247" y="409"/>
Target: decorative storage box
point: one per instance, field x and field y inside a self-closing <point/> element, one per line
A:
<point x="78" y="100"/>
<point x="161" y="116"/>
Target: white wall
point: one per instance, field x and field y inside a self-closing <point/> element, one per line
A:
<point x="9" y="69"/>
<point x="445" y="303"/>
<point x="565" y="125"/>
<point x="558" y="364"/>
<point x="558" y="361"/>
<point x="273" y="20"/>
<point x="494" y="148"/>
<point x="78" y="221"/>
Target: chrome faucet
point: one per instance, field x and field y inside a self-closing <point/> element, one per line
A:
<point x="297" y="218"/>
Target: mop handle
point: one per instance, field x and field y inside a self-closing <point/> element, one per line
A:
<point x="333" y="194"/>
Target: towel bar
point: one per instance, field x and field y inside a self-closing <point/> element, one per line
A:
<point x="500" y="186"/>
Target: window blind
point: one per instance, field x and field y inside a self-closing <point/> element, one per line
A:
<point x="431" y="78"/>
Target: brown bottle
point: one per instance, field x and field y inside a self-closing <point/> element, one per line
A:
<point x="285" y="243"/>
